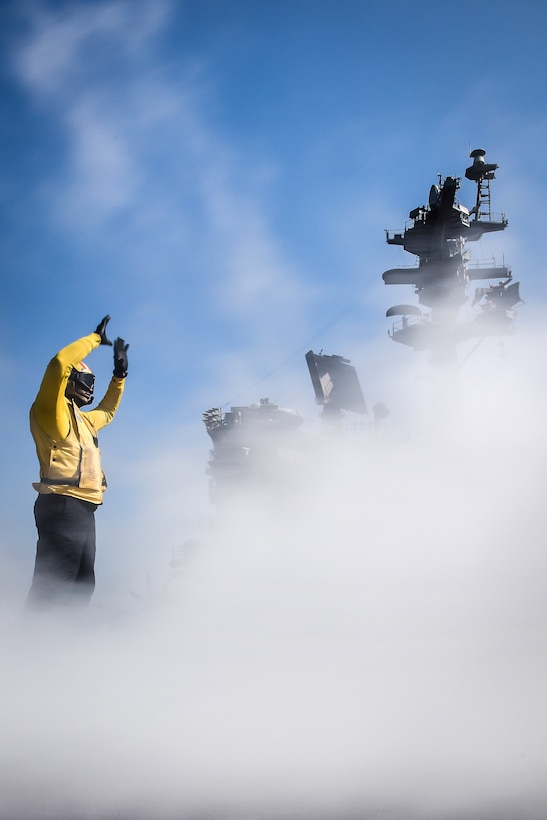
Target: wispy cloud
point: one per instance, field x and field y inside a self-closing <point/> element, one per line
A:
<point x="143" y="165"/>
<point x="63" y="43"/>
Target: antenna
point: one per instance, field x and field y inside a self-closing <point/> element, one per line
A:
<point x="481" y="172"/>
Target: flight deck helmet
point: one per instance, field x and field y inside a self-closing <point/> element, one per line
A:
<point x="80" y="384"/>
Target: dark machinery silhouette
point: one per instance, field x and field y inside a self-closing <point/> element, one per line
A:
<point x="250" y="443"/>
<point x="335" y="383"/>
<point x="246" y="442"/>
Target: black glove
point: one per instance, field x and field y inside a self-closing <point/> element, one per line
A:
<point x="120" y="358"/>
<point x="101" y="330"/>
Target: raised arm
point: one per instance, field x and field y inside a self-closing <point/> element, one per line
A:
<point x="103" y="414"/>
<point x="105" y="411"/>
<point x="50" y="405"/>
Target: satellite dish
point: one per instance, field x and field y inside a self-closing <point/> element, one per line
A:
<point x="403" y="310"/>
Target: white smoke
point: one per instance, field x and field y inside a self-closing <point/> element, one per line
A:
<point x="359" y="633"/>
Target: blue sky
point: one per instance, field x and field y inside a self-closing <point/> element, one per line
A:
<point x="218" y="176"/>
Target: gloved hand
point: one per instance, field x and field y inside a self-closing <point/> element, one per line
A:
<point x="101" y="330"/>
<point x="120" y="358"/>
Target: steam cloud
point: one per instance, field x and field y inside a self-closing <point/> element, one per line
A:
<point x="360" y="633"/>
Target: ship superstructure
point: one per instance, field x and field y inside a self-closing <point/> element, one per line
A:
<point x="437" y="234"/>
<point x="249" y="441"/>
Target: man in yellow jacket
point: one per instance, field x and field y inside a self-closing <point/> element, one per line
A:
<point x="72" y="482"/>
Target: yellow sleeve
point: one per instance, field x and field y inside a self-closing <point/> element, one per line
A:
<point x="105" y="411"/>
<point x="50" y="405"/>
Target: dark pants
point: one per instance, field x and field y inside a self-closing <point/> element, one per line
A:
<point x="65" y="552"/>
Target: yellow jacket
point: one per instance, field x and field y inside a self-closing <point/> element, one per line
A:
<point x="65" y="437"/>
